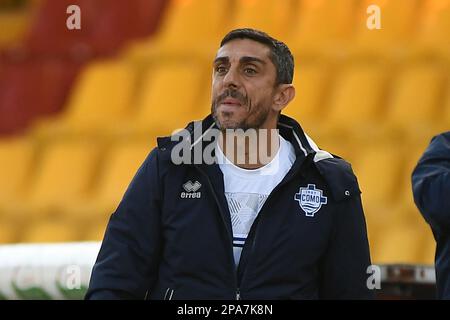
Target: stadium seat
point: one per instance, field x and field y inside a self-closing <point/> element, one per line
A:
<point x="13" y="26"/>
<point x="63" y="174"/>
<point x="105" y="26"/>
<point x="270" y="16"/>
<point x="378" y="168"/>
<point x="116" y="172"/>
<point x="50" y="231"/>
<point x="343" y="148"/>
<point x="414" y="105"/>
<point x="398" y="25"/>
<point x="399" y="244"/>
<point x="434" y="27"/>
<point x="101" y="96"/>
<point x="187" y="27"/>
<point x="429" y="251"/>
<point x="446" y="113"/>
<point x="311" y="81"/>
<point x="169" y="98"/>
<point x="32" y="88"/>
<point x="16" y="163"/>
<point x="95" y="232"/>
<point x="356" y="99"/>
<point x="321" y="25"/>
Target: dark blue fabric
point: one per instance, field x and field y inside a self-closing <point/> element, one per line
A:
<point x="431" y="188"/>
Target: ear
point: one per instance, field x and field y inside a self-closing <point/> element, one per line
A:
<point x="285" y="94"/>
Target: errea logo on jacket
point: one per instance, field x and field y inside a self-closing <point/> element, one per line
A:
<point x="191" y="190"/>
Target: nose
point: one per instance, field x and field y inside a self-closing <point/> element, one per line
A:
<point x="231" y="79"/>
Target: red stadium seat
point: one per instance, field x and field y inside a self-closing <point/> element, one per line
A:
<point x="105" y="25"/>
<point x="32" y="88"/>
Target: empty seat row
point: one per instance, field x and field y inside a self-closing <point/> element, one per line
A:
<point x="371" y="96"/>
<point x="70" y="176"/>
<point x="33" y="88"/>
<point x="305" y="25"/>
<point x="110" y="98"/>
<point x="105" y="25"/>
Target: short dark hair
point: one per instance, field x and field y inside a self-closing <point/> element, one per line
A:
<point x="280" y="55"/>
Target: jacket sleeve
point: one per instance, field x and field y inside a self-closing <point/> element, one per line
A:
<point x="431" y="183"/>
<point x="128" y="260"/>
<point x="347" y="258"/>
<point x="345" y="263"/>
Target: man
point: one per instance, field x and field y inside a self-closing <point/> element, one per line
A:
<point x="431" y="189"/>
<point x="282" y="220"/>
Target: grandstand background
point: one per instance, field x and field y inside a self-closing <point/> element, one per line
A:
<point x="80" y="109"/>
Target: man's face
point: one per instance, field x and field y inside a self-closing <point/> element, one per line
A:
<point x="243" y="85"/>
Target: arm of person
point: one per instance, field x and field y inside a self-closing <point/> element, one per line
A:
<point x="127" y="264"/>
<point x="344" y="272"/>
<point x="431" y="183"/>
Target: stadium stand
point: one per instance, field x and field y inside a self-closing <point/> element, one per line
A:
<point x="100" y="97"/>
<point x="86" y="105"/>
<point x="118" y="167"/>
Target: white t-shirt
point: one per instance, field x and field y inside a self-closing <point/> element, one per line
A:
<point x="247" y="190"/>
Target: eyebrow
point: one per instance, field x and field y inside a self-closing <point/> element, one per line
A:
<point x="243" y="60"/>
<point x="251" y="59"/>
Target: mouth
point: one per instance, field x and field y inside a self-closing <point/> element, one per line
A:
<point x="231" y="102"/>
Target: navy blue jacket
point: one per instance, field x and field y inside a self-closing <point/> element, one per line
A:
<point x="162" y="244"/>
<point x="431" y="188"/>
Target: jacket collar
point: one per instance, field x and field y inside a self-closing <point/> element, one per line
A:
<point x="199" y="132"/>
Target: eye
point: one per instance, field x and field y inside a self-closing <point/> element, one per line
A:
<point x="220" y="69"/>
<point x="250" y="71"/>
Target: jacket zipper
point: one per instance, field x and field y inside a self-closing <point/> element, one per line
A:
<point x="238" y="293"/>
<point x="255" y="228"/>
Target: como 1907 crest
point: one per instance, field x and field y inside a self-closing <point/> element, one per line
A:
<point x="310" y="199"/>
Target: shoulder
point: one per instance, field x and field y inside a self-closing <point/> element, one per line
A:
<point x="440" y="144"/>
<point x="338" y="175"/>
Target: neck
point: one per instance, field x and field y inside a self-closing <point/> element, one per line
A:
<point x="251" y="149"/>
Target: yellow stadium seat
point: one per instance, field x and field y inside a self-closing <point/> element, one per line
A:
<point x="95" y="233"/>
<point x="188" y="26"/>
<point x="321" y="23"/>
<point x="310" y="81"/>
<point x="399" y="244"/>
<point x="446" y="113"/>
<point x="398" y="23"/>
<point x="62" y="176"/>
<point x="428" y="244"/>
<point x="16" y="158"/>
<point x="406" y="211"/>
<point x="50" y="231"/>
<point x="343" y="148"/>
<point x="356" y="99"/>
<point x="429" y="249"/>
<point x="414" y="105"/>
<point x="116" y="173"/>
<point x="200" y="19"/>
<point x="169" y="98"/>
<point x="378" y="168"/>
<point x="13" y="26"/>
<point x="434" y="28"/>
<point x="102" y="95"/>
<point x="270" y="16"/>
